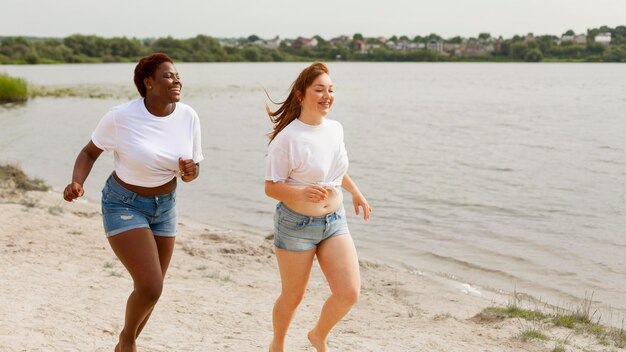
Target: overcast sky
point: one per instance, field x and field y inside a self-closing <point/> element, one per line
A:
<point x="293" y="18"/>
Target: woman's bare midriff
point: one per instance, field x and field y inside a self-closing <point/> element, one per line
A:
<point x="327" y="206"/>
<point x="148" y="191"/>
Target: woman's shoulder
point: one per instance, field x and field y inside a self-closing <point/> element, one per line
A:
<point x="124" y="108"/>
<point x="185" y="108"/>
<point x="334" y="124"/>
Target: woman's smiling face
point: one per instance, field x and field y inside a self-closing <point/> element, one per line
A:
<point x="165" y="83"/>
<point x="319" y="96"/>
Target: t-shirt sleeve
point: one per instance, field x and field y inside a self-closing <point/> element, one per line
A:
<point x="197" y="140"/>
<point x="278" y="166"/>
<point x="105" y="134"/>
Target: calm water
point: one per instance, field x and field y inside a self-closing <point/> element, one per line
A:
<point x="505" y="176"/>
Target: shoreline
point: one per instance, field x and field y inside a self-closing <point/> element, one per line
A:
<point x="67" y="291"/>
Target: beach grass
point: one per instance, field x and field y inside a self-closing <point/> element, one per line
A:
<point x="12" y="89"/>
<point x="582" y="319"/>
<point x="12" y="173"/>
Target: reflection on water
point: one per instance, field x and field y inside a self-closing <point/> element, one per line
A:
<point x="509" y="176"/>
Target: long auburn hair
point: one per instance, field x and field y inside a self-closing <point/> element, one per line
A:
<point x="290" y="109"/>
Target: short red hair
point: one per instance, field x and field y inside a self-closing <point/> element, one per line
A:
<point x="146" y="68"/>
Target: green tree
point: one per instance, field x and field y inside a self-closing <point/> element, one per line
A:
<point x="127" y="48"/>
<point x="252" y="53"/>
<point x="533" y="55"/>
<point x="357" y="36"/>
<point x="176" y="49"/>
<point x="87" y="45"/>
<point x="569" y="32"/>
<point x="595" y="48"/>
<point x="518" y="50"/>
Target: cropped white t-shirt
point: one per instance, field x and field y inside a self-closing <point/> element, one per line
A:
<point x="302" y="154"/>
<point x="145" y="147"/>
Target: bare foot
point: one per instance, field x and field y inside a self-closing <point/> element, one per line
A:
<point x="318" y="343"/>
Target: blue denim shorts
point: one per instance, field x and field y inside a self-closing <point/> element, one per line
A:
<point x="124" y="210"/>
<point x="296" y="232"/>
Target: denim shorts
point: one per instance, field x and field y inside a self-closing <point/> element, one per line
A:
<point x="124" y="210"/>
<point x="296" y="232"/>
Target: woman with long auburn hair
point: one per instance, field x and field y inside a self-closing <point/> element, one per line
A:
<point x="307" y="166"/>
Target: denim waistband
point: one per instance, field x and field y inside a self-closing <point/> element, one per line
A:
<point x="312" y="219"/>
<point x="119" y="189"/>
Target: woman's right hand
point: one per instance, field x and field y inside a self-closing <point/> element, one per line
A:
<point x="73" y="191"/>
<point x="314" y="193"/>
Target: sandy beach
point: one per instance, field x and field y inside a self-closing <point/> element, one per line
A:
<point x="63" y="290"/>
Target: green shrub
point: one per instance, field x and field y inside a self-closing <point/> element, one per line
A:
<point x="12" y="89"/>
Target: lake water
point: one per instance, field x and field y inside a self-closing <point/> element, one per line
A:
<point x="504" y="176"/>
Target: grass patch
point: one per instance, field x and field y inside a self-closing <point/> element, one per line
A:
<point x="12" y="89"/>
<point x="581" y="320"/>
<point x="532" y="334"/>
<point x="513" y="311"/>
<point x="82" y="91"/>
<point x="12" y="173"/>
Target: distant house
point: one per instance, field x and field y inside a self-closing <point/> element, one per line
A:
<point x="435" y="45"/>
<point x="579" y="39"/>
<point x="451" y="48"/>
<point x="474" y="48"/>
<point x="301" y="43"/>
<point x="371" y="47"/>
<point x="359" y="45"/>
<point x="229" y="42"/>
<point x="272" y="43"/>
<point x="603" y="38"/>
<point x="340" y="41"/>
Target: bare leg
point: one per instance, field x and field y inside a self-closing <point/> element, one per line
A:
<point x="165" y="246"/>
<point x="295" y="269"/>
<point x="137" y="250"/>
<point x="338" y="260"/>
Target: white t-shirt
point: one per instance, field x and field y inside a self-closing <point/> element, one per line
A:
<point x="302" y="154"/>
<point x="145" y="147"/>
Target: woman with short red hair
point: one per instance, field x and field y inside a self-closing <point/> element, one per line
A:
<point x="154" y="140"/>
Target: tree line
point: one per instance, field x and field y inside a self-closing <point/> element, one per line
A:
<point x="94" y="49"/>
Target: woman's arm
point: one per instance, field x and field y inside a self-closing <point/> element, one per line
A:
<point x="287" y="193"/>
<point x="82" y="167"/>
<point x="358" y="200"/>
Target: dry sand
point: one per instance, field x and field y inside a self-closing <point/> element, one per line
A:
<point x="62" y="289"/>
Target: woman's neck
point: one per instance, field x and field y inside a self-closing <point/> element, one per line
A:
<point x="311" y="119"/>
<point x="159" y="108"/>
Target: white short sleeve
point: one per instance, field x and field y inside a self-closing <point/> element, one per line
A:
<point x="105" y="135"/>
<point x="197" y="141"/>
<point x="278" y="166"/>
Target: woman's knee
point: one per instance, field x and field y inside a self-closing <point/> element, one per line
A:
<point x="348" y="296"/>
<point x="291" y="299"/>
<point x="150" y="290"/>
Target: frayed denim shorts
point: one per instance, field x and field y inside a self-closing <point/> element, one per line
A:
<point x="296" y="232"/>
<point x="124" y="210"/>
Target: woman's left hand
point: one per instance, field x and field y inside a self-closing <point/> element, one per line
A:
<point x="359" y="201"/>
<point x="188" y="169"/>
